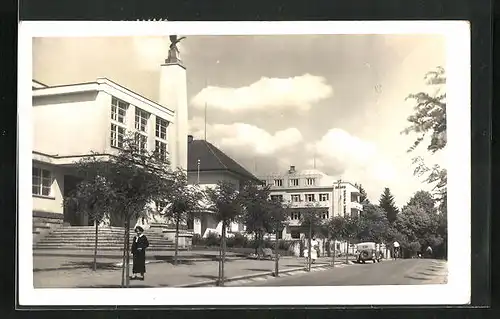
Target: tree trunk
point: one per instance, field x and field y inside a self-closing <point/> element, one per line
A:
<point x="309" y="250"/>
<point x="223" y="257"/>
<point x="276" y="256"/>
<point x="334" y="252"/>
<point x="176" y="249"/>
<point x="347" y="252"/>
<point x="94" y="266"/>
<point x="124" y="255"/>
<point x="127" y="259"/>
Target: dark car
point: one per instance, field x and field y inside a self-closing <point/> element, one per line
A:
<point x="368" y="251"/>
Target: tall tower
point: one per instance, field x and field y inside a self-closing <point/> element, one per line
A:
<point x="173" y="95"/>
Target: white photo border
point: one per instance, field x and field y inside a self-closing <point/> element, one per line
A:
<point x="456" y="291"/>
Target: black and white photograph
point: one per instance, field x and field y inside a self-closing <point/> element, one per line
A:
<point x="287" y="162"/>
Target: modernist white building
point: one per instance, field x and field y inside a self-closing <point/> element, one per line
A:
<point x="70" y="121"/>
<point x="312" y="190"/>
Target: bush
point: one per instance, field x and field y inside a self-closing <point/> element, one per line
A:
<point x="197" y="240"/>
<point x="212" y="239"/>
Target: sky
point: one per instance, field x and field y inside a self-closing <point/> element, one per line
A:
<point x="336" y="102"/>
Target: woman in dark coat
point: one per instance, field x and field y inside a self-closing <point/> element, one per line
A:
<point x="139" y="252"/>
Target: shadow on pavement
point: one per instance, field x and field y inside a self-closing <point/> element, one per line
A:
<point x="90" y="265"/>
<point x="257" y="269"/>
<point x="115" y="286"/>
<point x="416" y="277"/>
<point x="211" y="277"/>
<point x="295" y="266"/>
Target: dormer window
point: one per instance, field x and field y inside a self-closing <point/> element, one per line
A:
<point x="310" y="181"/>
<point x="294" y="182"/>
<point x="278" y="182"/>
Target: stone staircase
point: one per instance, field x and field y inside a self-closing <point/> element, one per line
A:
<point x="82" y="238"/>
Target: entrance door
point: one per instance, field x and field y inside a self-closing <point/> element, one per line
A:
<point x="71" y="217"/>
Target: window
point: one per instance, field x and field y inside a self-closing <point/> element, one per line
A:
<point x="142" y="142"/>
<point x="161" y="150"/>
<point x="323" y="197"/>
<point x="324" y="215"/>
<point x="277" y="198"/>
<point x="117" y="135"/>
<point x="295" y="198"/>
<point x="310" y="181"/>
<point x="344" y="197"/>
<point x="42" y="182"/>
<point x="118" y="110"/>
<point x="309" y="197"/>
<point x="294" y="182"/>
<point x="295" y="234"/>
<point x="161" y="128"/>
<point x="141" y="120"/>
<point x="264" y="182"/>
<point x="295" y="216"/>
<point x="278" y="182"/>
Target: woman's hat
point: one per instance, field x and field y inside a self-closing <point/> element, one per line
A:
<point x="139" y="228"/>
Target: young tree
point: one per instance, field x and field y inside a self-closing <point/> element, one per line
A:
<point x="337" y="231"/>
<point x="256" y="216"/>
<point x="429" y="120"/>
<point x="182" y="200"/>
<point x="351" y="232"/>
<point x="387" y="203"/>
<point x="278" y="218"/>
<point x="91" y="197"/>
<point x="135" y="179"/>
<point x="311" y="223"/>
<point x="225" y="201"/>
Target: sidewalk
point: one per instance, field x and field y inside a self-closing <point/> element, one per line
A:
<point x="164" y="274"/>
<point x="74" y="259"/>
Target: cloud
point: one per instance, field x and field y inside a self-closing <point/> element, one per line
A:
<point x="245" y="137"/>
<point x="299" y="92"/>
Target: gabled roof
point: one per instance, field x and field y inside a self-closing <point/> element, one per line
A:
<point x="213" y="159"/>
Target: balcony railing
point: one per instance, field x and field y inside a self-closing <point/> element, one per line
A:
<point x="357" y="206"/>
<point x="316" y="204"/>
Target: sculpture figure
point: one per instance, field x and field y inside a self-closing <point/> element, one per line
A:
<point x="173" y="53"/>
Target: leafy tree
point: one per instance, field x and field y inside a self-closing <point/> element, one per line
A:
<point x="351" y="231"/>
<point x="337" y="231"/>
<point x="278" y="218"/>
<point x="135" y="178"/>
<point x="429" y="120"/>
<point x="182" y="200"/>
<point x="225" y="201"/>
<point x="387" y="203"/>
<point x="374" y="225"/>
<point x="312" y="224"/>
<point x="424" y="200"/>
<point x="256" y="216"/>
<point x="92" y="197"/>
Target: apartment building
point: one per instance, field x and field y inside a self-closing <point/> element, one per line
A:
<point x="312" y="190"/>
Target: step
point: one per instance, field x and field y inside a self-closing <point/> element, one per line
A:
<point x="40" y="249"/>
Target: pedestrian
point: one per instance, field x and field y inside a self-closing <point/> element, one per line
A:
<point x="429" y="251"/>
<point x="396" y="249"/>
<point x="139" y="253"/>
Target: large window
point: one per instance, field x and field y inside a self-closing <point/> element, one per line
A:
<point x="161" y="128"/>
<point x="118" y="110"/>
<point x="323" y="197"/>
<point x="295" y="198"/>
<point x="117" y="135"/>
<point x="278" y="182"/>
<point x="42" y="182"/>
<point x="142" y="142"/>
<point x="141" y="120"/>
<point x="295" y="216"/>
<point x="294" y="182"/>
<point x="161" y="149"/>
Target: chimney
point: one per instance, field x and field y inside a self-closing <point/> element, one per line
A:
<point x="190" y="138"/>
<point x="292" y="169"/>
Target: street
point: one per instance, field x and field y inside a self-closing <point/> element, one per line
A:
<point x="398" y="272"/>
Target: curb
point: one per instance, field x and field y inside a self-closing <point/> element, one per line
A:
<point x="211" y="283"/>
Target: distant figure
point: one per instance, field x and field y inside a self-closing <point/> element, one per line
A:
<point x="396" y="249"/>
<point x="314" y="252"/>
<point x="139" y="253"/>
<point x="429" y="252"/>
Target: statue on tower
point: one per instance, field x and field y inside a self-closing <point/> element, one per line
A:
<point x="173" y="53"/>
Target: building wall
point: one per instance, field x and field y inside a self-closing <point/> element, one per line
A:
<point x="70" y="124"/>
<point x="54" y="202"/>
<point x="212" y="178"/>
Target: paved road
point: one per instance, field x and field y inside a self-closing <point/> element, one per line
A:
<point x="399" y="272"/>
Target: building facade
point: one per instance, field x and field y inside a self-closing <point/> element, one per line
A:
<point x="312" y="190"/>
<point x="72" y="121"/>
